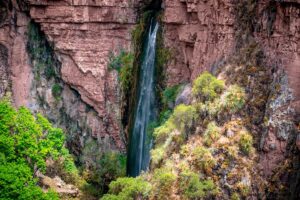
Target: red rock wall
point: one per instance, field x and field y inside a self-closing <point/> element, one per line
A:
<point x="202" y="35"/>
<point x="84" y="33"/>
<point x="12" y="37"/>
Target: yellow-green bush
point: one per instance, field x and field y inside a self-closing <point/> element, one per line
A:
<point x="207" y="87"/>
<point x="233" y="99"/>
<point x="128" y="188"/>
<point x="184" y="117"/>
<point x="203" y="159"/>
<point x="162" y="132"/>
<point x="235" y="196"/>
<point x="163" y="179"/>
<point x="193" y="187"/>
<point x="212" y="133"/>
<point x="160" y="151"/>
<point x="157" y="155"/>
<point x="246" y="142"/>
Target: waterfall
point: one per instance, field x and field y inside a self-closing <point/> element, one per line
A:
<point x="140" y="141"/>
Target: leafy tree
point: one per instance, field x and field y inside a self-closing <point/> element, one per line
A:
<point x="26" y="142"/>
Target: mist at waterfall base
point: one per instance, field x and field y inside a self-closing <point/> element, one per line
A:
<point x="146" y="112"/>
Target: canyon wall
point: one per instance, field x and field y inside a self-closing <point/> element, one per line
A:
<point x="72" y="40"/>
<point x="212" y="35"/>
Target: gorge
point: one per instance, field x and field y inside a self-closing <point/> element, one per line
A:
<point x="216" y="84"/>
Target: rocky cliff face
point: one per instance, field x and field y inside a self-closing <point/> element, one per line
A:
<point x="210" y="35"/>
<point x="63" y="47"/>
<point x="84" y="33"/>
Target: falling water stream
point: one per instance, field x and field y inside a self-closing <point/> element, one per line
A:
<point x="140" y="141"/>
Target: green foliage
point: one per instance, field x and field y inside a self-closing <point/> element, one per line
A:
<point x="170" y="94"/>
<point x="137" y="34"/>
<point x="246" y="142"/>
<point x="233" y="98"/>
<point x="160" y="151"/>
<point x="157" y="155"/>
<point x="207" y="87"/>
<point x="112" y="165"/>
<point x="235" y="196"/>
<point x="194" y="188"/>
<point x="25" y="143"/>
<point x="56" y="91"/>
<point x="211" y="134"/>
<point x="164" y="116"/>
<point x="203" y="158"/>
<point x="163" y="179"/>
<point x="184" y="116"/>
<point x="163" y="55"/>
<point x="162" y="132"/>
<point x="128" y="188"/>
<point x="41" y="52"/>
<point x="123" y="64"/>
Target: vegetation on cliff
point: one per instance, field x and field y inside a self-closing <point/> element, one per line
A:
<point x="27" y="141"/>
<point x="202" y="151"/>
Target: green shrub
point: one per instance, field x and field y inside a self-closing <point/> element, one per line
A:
<point x="128" y="188"/>
<point x="211" y="134"/>
<point x="157" y="155"/>
<point x="194" y="188"/>
<point x="123" y="64"/>
<point x="163" y="179"/>
<point x="164" y="116"/>
<point x="112" y="166"/>
<point x="207" y="87"/>
<point x="203" y="159"/>
<point x="49" y="72"/>
<point x="41" y="52"/>
<point x="235" y="196"/>
<point x="26" y="142"/>
<point x="246" y="142"/>
<point x="170" y="94"/>
<point x="233" y="99"/>
<point x="56" y="91"/>
<point x="183" y="117"/>
<point x="162" y="132"/>
<point x="160" y="151"/>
